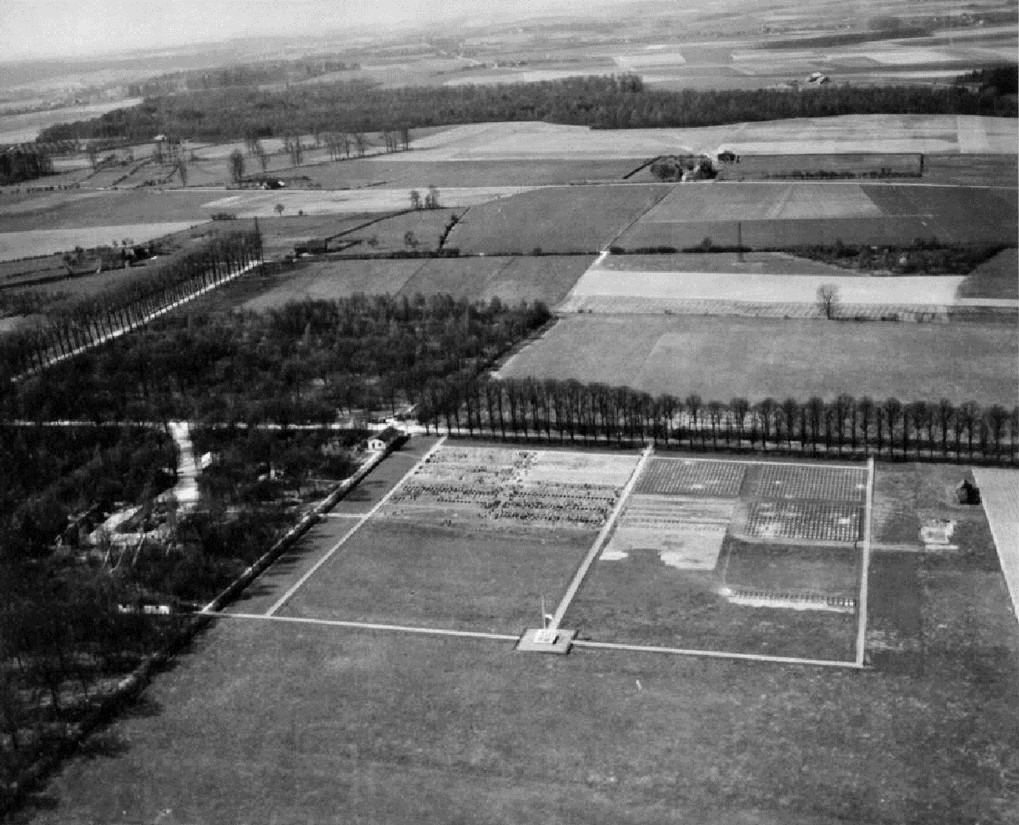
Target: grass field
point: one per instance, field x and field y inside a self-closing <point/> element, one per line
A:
<point x="616" y="291"/>
<point x="396" y="170"/>
<point x="512" y="280"/>
<point x="863" y="165"/>
<point x="571" y="220"/>
<point x="995" y="278"/>
<point x="711" y="555"/>
<point x="287" y="721"/>
<point x="776" y="215"/>
<point x="720" y="358"/>
<point x="390" y="234"/>
<point x="849" y="133"/>
<point x="14" y="245"/>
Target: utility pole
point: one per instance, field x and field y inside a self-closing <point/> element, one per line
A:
<point x="739" y="241"/>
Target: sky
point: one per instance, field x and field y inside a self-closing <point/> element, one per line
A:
<point x="62" y="28"/>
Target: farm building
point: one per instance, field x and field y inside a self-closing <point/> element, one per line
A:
<point x="385" y="439"/>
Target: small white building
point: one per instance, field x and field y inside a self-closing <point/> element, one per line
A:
<point x="384" y="439"/>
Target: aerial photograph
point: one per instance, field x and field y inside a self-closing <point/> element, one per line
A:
<point x="427" y="413"/>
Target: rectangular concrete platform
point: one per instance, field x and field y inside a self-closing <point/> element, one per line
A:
<point x="560" y="641"/>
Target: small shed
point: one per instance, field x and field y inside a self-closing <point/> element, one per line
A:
<point x="385" y="439"/>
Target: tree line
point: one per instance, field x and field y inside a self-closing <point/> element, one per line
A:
<point x="621" y="102"/>
<point x="569" y="411"/>
<point x="82" y="323"/>
<point x="24" y="163"/>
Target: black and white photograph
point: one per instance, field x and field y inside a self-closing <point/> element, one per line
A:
<point x="454" y="412"/>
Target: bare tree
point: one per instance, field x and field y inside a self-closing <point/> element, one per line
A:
<point x="828" y="300"/>
<point x="279" y="207"/>
<point x="415" y="199"/>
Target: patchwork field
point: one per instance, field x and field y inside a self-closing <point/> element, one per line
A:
<point x="25" y="243"/>
<point x="774" y="215"/>
<point x="732" y="556"/>
<point x="396" y="170"/>
<point x="725" y="357"/>
<point x="570" y="220"/>
<point x="511" y="279"/>
<point x="616" y="290"/>
<point x="849" y="133"/>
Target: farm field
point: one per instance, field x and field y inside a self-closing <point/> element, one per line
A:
<point x="725" y="357"/>
<point x="251" y="204"/>
<point x="774" y="215"/>
<point x="635" y="291"/>
<point x="24" y="243"/>
<point x="511" y="279"/>
<point x="281" y="233"/>
<point x="995" y="278"/>
<point x="848" y="133"/>
<point x="569" y="220"/>
<point x="863" y="165"/>
<point x="752" y="263"/>
<point x="413" y="728"/>
<point x="397" y="170"/>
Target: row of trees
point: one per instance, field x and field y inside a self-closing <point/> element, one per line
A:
<point x="94" y="318"/>
<point x="602" y="102"/>
<point x="846" y="426"/>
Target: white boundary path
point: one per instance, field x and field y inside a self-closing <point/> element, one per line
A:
<point x="360" y="522"/>
<point x="503" y="637"/>
<point x="861" y="607"/>
<point x="718" y="654"/>
<point x="400" y="628"/>
<point x="999" y="491"/>
<point x="603" y="535"/>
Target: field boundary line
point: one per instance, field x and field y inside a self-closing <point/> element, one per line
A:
<point x="666" y="191"/>
<point x="602" y="537"/>
<point x="353" y="625"/>
<point x="718" y="654"/>
<point x="861" y="608"/>
<point x="360" y="523"/>
<point x="1002" y="515"/>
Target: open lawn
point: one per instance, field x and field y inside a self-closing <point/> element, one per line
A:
<point x="512" y="280"/>
<point x="290" y="721"/>
<point x="447" y="577"/>
<point x="721" y="358"/>
<point x="776" y="215"/>
<point x="571" y="220"/>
